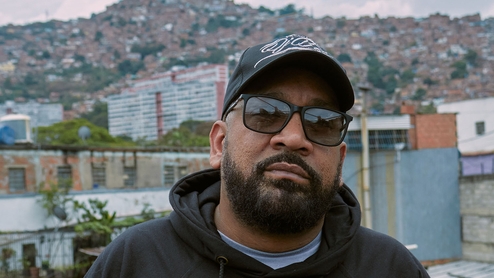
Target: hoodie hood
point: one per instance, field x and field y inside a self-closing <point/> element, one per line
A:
<point x="194" y="199"/>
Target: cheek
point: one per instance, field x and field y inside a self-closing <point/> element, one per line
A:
<point x="245" y="145"/>
<point x="328" y="165"/>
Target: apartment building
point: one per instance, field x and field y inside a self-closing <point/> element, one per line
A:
<point x="153" y="106"/>
<point x="44" y="114"/>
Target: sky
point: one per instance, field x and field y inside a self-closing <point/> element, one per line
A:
<point x="28" y="11"/>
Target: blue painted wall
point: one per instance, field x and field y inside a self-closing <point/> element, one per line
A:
<point x="415" y="198"/>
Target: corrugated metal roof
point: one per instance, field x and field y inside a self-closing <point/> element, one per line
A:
<point x="463" y="269"/>
<point x="386" y="122"/>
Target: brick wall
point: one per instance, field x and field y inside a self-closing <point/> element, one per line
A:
<point x="477" y="215"/>
<point x="434" y="131"/>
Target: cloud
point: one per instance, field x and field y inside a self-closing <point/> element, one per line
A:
<point x="71" y="9"/>
<point x="382" y="8"/>
<point x="24" y="11"/>
<point x="28" y="11"/>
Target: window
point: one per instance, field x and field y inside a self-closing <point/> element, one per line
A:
<point x="172" y="173"/>
<point x="480" y="128"/>
<point x="129" y="176"/>
<point x="181" y="172"/>
<point x="99" y="176"/>
<point x="17" y="179"/>
<point x="64" y="174"/>
<point x="378" y="139"/>
<point x="169" y="175"/>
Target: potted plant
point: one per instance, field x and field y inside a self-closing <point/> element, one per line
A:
<point x="45" y="266"/>
<point x="7" y="253"/>
<point x="34" y="271"/>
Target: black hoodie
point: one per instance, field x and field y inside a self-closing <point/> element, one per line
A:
<point x="187" y="244"/>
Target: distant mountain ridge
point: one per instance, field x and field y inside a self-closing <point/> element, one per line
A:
<point x="405" y="59"/>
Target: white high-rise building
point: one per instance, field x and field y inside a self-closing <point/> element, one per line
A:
<point x="153" y="106"/>
<point x="42" y="114"/>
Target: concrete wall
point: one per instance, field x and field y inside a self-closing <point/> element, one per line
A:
<point x="25" y="213"/>
<point x="477" y="216"/>
<point x="41" y="166"/>
<point x="414" y="198"/>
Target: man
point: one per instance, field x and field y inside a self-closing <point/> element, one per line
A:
<point x="274" y="204"/>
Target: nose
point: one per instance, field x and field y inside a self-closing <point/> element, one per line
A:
<point x="292" y="137"/>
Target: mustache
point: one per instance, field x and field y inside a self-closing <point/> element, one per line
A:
<point x="290" y="158"/>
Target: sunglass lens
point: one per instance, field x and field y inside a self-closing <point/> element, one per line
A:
<point x="324" y="126"/>
<point x="265" y="115"/>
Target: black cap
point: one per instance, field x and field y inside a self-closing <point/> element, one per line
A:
<point x="292" y="50"/>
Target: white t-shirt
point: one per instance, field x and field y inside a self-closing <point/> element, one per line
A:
<point x="277" y="260"/>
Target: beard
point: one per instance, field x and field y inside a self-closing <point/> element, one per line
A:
<point x="278" y="206"/>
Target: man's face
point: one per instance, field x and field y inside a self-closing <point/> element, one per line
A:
<point x="281" y="183"/>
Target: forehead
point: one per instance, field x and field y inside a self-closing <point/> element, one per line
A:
<point x="299" y="86"/>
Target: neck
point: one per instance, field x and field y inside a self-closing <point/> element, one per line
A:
<point x="228" y="223"/>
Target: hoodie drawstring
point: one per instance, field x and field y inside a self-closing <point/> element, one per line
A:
<point x="222" y="261"/>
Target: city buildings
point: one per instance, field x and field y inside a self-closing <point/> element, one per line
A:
<point x="41" y="114"/>
<point x="153" y="106"/>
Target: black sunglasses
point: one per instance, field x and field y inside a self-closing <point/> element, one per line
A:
<point x="270" y="115"/>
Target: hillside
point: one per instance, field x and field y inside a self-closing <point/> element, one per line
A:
<point x="417" y="59"/>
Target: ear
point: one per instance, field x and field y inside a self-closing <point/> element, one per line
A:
<point x="342" y="152"/>
<point x="216" y="139"/>
<point x="343" y="148"/>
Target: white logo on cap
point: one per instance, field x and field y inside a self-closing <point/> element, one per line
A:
<point x="288" y="43"/>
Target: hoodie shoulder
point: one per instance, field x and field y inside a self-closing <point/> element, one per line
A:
<point x="374" y="254"/>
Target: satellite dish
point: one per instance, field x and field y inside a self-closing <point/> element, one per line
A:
<point x="84" y="132"/>
<point x="59" y="213"/>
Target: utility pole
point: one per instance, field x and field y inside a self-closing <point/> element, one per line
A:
<point x="365" y="160"/>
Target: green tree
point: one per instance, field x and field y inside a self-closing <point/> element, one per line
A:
<point x="428" y="81"/>
<point x="419" y="94"/>
<point x="95" y="219"/>
<point x="246" y="32"/>
<point x="98" y="36"/>
<point x="407" y="76"/>
<point x="373" y="72"/>
<point x="341" y="22"/>
<point x="217" y="56"/>
<point x="344" y="58"/>
<point x="471" y="57"/>
<point x="46" y="55"/>
<point x="132" y="67"/>
<point x="30" y="80"/>
<point x="428" y="109"/>
<point x="189" y="134"/>
<point x="98" y="79"/>
<point x="460" y="70"/>
<point x="116" y="54"/>
<point x="7" y="84"/>
<point x="99" y="115"/>
<point x="66" y="133"/>
<point x="148" y="49"/>
<point x="263" y="9"/>
<point x="391" y="85"/>
<point x="288" y="9"/>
